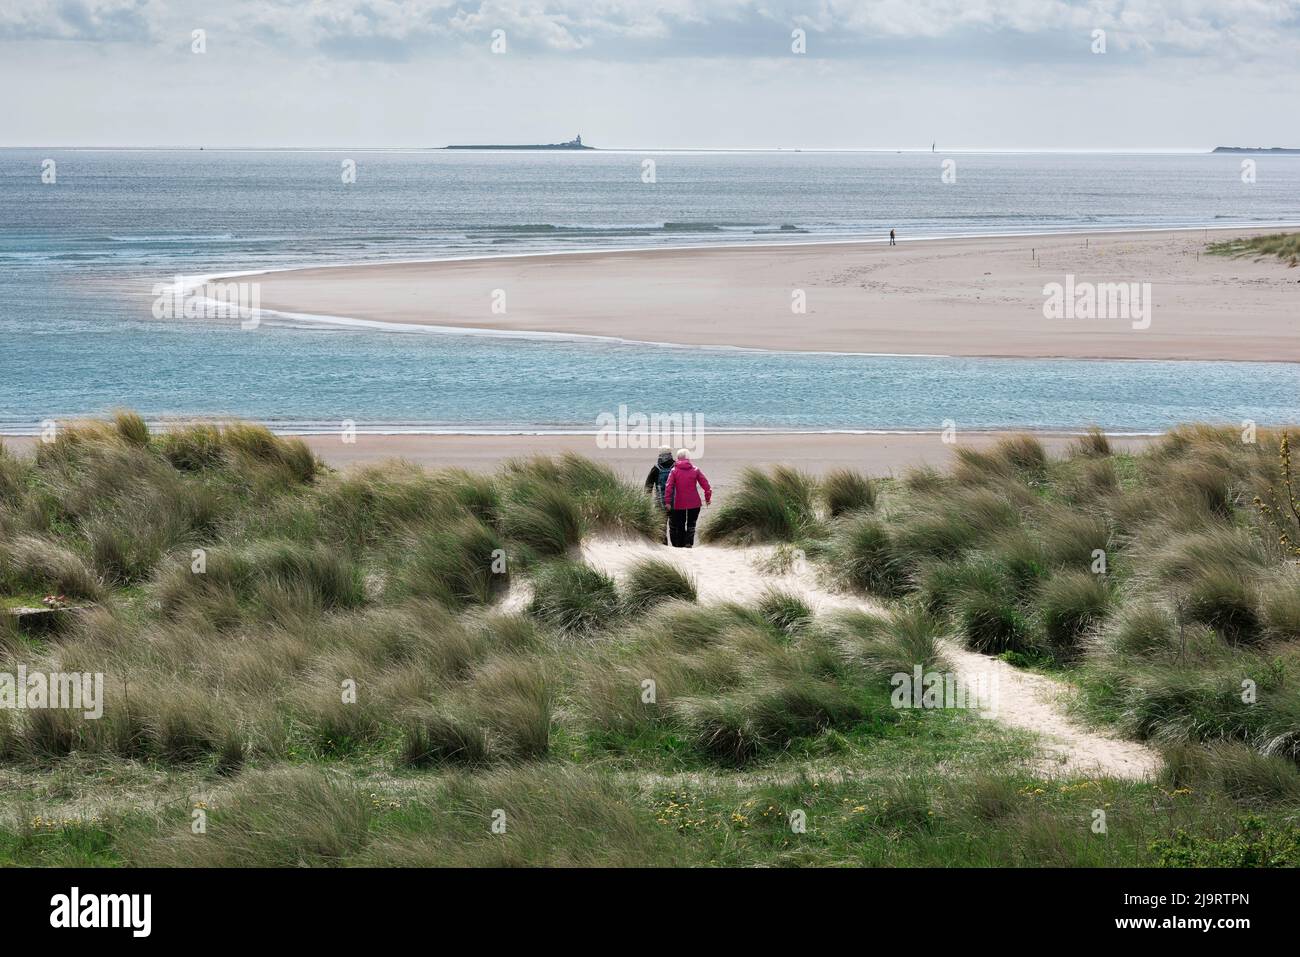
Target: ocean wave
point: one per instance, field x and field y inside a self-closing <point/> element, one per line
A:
<point x="614" y="229"/>
<point x="220" y="238"/>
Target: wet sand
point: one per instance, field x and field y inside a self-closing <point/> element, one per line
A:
<point x="967" y="297"/>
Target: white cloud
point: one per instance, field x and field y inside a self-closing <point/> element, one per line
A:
<point x="631" y="72"/>
<point x="1256" y="28"/>
<point x="96" y="20"/>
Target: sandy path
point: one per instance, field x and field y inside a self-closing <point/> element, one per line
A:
<point x="964" y="297"/>
<point x="1026" y="701"/>
<point x="1034" y="703"/>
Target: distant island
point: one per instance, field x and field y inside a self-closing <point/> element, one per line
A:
<point x="1255" y="149"/>
<point x="573" y="144"/>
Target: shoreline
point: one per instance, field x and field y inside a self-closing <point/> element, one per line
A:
<point x="936" y="298"/>
<point x="418" y="431"/>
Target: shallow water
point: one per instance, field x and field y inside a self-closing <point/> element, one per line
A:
<point x="78" y="337"/>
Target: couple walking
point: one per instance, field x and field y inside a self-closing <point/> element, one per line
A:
<point x="676" y="484"/>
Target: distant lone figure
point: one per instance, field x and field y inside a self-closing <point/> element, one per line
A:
<point x="891" y="238"/>
<point x="683" y="500"/>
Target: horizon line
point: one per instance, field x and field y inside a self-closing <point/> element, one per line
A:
<point x="1117" y="150"/>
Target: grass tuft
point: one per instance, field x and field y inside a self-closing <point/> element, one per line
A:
<point x="787" y="613"/>
<point x="845" y="490"/>
<point x="653" y="580"/>
<point x="865" y="556"/>
<point x="1092" y="444"/>
<point x="461" y="563"/>
<point x="1283" y="246"/>
<point x="574" y="597"/>
<point x="1071" y="603"/>
<point x="764" y="508"/>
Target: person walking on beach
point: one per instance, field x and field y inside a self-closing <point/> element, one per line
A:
<point x="891" y="238"/>
<point x="682" y="499"/>
<point x="658" y="478"/>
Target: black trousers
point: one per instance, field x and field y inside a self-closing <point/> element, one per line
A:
<point x="681" y="526"/>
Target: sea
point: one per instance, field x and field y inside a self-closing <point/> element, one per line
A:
<point x="85" y="235"/>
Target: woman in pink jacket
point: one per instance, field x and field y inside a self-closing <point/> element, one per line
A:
<point x="682" y="499"/>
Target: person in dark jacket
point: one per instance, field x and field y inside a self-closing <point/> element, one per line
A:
<point x="657" y="479"/>
<point x="682" y="497"/>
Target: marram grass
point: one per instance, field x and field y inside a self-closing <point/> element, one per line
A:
<point x="346" y="669"/>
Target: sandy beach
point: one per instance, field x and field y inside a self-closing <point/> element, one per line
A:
<point x="965" y="297"/>
<point x="724" y="456"/>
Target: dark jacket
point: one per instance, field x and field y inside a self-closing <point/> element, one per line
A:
<point x="658" y="477"/>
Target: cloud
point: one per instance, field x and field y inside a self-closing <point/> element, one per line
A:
<point x="529" y="25"/>
<point x="1033" y="30"/>
<point x="104" y="21"/>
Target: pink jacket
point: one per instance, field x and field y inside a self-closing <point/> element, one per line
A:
<point x="680" y="490"/>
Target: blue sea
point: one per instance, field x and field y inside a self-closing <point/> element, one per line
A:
<point x="78" y="256"/>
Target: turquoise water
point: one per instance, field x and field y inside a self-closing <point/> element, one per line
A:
<point x="77" y="337"/>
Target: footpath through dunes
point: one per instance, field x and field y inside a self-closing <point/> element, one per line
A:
<point x="1026" y="701"/>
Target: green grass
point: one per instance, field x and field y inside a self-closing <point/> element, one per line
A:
<point x="542" y="517"/>
<point x="886" y="646"/>
<point x="1283" y="246"/>
<point x="991" y="620"/>
<point x="898" y="809"/>
<point x="337" y="686"/>
<point x="775" y="507"/>
<point x="462" y="563"/>
<point x="1070" y="604"/>
<point x="574" y="598"/>
<point x="651" y="581"/>
<point x="865" y="555"/>
<point x="844" y="491"/>
<point x="1092" y="443"/>
<point x="787" y="613"/>
<point x="22" y="600"/>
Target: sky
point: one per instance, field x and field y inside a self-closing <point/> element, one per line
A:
<point x="652" y="74"/>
